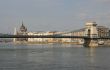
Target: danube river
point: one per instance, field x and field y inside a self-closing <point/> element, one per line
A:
<point x="53" y="57"/>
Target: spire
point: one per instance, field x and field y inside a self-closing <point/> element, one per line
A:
<point x="22" y="23"/>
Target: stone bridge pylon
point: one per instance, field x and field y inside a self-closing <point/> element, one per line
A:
<point x="92" y="33"/>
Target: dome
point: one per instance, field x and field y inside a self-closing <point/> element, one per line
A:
<point x="23" y="28"/>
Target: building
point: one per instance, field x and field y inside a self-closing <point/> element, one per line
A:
<point x="46" y="40"/>
<point x="103" y="31"/>
<point x="66" y="40"/>
<point x="37" y="39"/>
<point x="22" y="31"/>
<point x="79" y="32"/>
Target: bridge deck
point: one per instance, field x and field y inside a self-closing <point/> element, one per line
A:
<point x="40" y="36"/>
<point x="49" y="36"/>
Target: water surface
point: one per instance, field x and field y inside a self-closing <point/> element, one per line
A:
<point x="53" y="57"/>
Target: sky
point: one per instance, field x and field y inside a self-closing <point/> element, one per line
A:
<point x="52" y="15"/>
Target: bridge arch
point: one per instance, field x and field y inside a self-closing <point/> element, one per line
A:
<point x="88" y="32"/>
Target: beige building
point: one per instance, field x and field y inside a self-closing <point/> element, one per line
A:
<point x="103" y="31"/>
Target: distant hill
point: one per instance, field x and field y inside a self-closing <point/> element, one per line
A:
<point x="5" y="39"/>
<point x="3" y="34"/>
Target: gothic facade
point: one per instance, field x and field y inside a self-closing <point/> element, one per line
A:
<point x="22" y="31"/>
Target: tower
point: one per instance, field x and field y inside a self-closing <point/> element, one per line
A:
<point x="23" y="29"/>
<point x="92" y="33"/>
<point x="91" y="29"/>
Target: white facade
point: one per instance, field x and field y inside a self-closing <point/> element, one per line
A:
<point x="37" y="39"/>
<point x="40" y="39"/>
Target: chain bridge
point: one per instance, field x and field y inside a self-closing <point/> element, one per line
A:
<point x="91" y="38"/>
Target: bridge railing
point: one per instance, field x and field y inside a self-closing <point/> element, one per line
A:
<point x="39" y="36"/>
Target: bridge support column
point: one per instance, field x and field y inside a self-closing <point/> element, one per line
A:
<point x="91" y="43"/>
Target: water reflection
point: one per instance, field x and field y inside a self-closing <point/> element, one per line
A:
<point x="91" y="57"/>
<point x="92" y="54"/>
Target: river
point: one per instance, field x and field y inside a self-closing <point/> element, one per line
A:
<point x="53" y="57"/>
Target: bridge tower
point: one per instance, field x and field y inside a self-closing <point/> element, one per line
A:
<point x="92" y="33"/>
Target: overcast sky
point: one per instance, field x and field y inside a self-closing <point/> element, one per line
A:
<point x="52" y="15"/>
